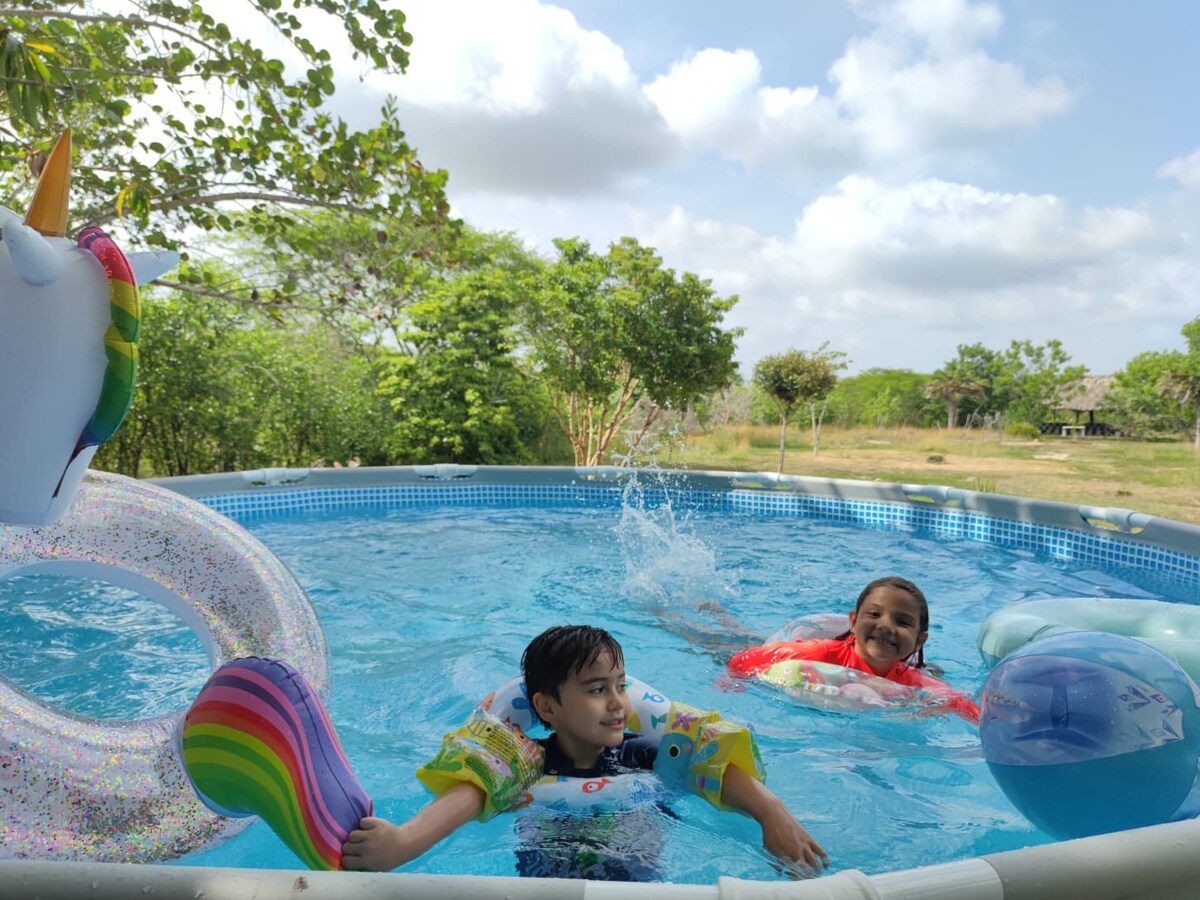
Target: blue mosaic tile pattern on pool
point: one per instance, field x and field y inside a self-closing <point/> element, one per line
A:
<point x="1052" y="540"/>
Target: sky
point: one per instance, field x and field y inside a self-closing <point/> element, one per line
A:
<point x="893" y="178"/>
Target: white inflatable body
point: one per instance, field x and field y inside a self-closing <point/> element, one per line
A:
<point x="54" y="312"/>
<point x="51" y="367"/>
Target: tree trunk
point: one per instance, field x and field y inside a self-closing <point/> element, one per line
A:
<point x="816" y="422"/>
<point x="951" y="414"/>
<point x="782" y="440"/>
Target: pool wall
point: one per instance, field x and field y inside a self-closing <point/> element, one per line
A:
<point x="1161" y="861"/>
<point x="1061" y="530"/>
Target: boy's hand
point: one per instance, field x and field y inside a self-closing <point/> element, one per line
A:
<point x="783" y="837"/>
<point x="377" y="846"/>
<point x="789" y="842"/>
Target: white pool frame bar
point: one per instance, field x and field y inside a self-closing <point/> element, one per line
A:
<point x="1162" y="861"/>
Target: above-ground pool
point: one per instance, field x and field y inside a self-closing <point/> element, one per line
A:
<point x="430" y="581"/>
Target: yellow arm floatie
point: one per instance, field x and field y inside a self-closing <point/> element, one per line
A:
<point x="494" y="757"/>
<point x="698" y="746"/>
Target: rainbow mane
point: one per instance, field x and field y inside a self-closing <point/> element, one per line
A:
<point x="120" y="339"/>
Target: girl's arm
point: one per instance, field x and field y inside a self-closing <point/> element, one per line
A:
<point x="750" y="662"/>
<point x="378" y="845"/>
<point x="960" y="703"/>
<point x="783" y="836"/>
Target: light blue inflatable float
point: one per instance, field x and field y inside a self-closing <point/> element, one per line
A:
<point x="1090" y="718"/>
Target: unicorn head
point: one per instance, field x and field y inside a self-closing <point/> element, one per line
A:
<point x="68" y="332"/>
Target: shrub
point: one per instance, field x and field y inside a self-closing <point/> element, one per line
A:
<point x="1024" y="431"/>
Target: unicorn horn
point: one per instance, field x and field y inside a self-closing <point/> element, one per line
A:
<point x="48" y="210"/>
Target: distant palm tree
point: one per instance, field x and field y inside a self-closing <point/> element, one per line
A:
<point x="952" y="385"/>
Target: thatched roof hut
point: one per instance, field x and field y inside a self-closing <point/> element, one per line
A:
<point x="1085" y="395"/>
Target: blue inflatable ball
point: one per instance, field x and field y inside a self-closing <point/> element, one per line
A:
<point x="1089" y="732"/>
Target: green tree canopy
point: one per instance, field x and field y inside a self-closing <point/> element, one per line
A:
<point x="221" y="389"/>
<point x="882" y="398"/>
<point x="462" y="395"/>
<point x="360" y="275"/>
<point x="1138" y="401"/>
<point x="608" y="331"/>
<point x="180" y="121"/>
<point x="1033" y="377"/>
<point x="952" y="384"/>
<point x="1023" y="382"/>
<point x="796" y="377"/>
<point x="972" y="366"/>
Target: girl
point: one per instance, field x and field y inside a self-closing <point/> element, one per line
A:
<point x="888" y="629"/>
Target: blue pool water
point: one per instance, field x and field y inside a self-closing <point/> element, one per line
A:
<point x="426" y="610"/>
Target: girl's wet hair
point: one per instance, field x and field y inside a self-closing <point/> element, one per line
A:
<point x="913" y="591"/>
<point x="557" y="653"/>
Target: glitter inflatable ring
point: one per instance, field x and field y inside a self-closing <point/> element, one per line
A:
<point x="75" y="788"/>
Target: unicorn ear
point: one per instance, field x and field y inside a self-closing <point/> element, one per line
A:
<point x="148" y="265"/>
<point x="35" y="260"/>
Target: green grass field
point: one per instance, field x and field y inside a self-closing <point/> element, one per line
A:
<point x="1161" y="479"/>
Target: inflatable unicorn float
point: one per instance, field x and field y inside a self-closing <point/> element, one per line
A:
<point x="256" y="741"/>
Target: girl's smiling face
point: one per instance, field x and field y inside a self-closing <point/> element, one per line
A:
<point x="887" y="628"/>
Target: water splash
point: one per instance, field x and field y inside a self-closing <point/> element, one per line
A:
<point x="670" y="569"/>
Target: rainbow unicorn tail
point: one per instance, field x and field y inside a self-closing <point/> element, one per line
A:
<point x="257" y="741"/>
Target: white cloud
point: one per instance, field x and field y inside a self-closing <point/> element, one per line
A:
<point x="517" y="97"/>
<point x="1184" y="169"/>
<point x="715" y="99"/>
<point x="899" y="275"/>
<point x="901" y="105"/>
<point x="950" y="27"/>
<point x="918" y="84"/>
<point x="921" y="80"/>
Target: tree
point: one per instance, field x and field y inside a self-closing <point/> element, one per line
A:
<point x="607" y="331"/>
<point x="1032" y="379"/>
<point x="221" y="389"/>
<point x="368" y="273"/>
<point x="180" y="121"/>
<point x="316" y="398"/>
<point x="881" y="398"/>
<point x="462" y="395"/>
<point x="1182" y="382"/>
<point x="187" y="400"/>
<point x="951" y="384"/>
<point x="1139" y="403"/>
<point x="796" y="377"/>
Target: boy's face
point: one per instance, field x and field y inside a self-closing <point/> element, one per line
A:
<point x="591" y="712"/>
<point x="887" y="628"/>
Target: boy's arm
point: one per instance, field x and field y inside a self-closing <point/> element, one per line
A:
<point x="783" y="836"/>
<point x="378" y="845"/>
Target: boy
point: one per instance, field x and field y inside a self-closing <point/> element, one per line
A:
<point x="575" y="679"/>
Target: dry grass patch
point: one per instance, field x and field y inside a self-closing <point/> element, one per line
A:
<point x="1154" y="478"/>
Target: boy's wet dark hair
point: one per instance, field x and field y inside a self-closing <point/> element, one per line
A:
<point x="557" y="653"/>
<point x="909" y="588"/>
